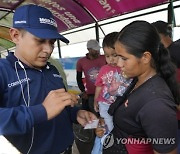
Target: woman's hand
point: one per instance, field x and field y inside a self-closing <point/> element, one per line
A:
<point x="100" y="131"/>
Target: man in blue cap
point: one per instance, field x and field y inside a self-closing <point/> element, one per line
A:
<point x="36" y="112"/>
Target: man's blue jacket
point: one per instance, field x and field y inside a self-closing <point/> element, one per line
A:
<point x="17" y="120"/>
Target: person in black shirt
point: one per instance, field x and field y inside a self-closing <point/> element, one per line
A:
<point x="165" y="31"/>
<point x="145" y="120"/>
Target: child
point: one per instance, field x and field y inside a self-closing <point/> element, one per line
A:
<point x="110" y="83"/>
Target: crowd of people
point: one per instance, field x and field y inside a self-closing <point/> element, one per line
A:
<point x="133" y="89"/>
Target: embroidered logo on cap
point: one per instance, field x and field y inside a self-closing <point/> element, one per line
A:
<point x="48" y="21"/>
<point x="20" y="22"/>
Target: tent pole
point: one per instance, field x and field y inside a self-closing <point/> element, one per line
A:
<point x="59" y="48"/>
<point x="97" y="31"/>
<point x="171" y="17"/>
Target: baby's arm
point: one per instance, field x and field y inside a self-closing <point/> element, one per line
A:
<point x="97" y="92"/>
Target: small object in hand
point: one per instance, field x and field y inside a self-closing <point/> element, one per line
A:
<point x="92" y="125"/>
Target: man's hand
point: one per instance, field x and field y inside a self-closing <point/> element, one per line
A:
<point x="57" y="100"/>
<point x="84" y="117"/>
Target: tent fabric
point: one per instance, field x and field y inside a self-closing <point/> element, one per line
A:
<point x="70" y="14"/>
<point x="5" y="40"/>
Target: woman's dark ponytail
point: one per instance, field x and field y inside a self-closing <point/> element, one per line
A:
<point x="167" y="71"/>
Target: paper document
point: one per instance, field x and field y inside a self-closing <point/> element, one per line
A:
<point x="92" y="125"/>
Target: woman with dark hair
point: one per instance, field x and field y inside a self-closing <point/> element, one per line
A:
<point x="165" y="33"/>
<point x="145" y="121"/>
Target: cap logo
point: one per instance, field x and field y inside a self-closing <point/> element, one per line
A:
<point x="20" y="22"/>
<point x="48" y="21"/>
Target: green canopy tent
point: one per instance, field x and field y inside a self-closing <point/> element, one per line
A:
<point x="5" y="41"/>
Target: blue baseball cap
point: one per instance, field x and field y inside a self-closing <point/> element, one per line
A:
<point x="37" y="20"/>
